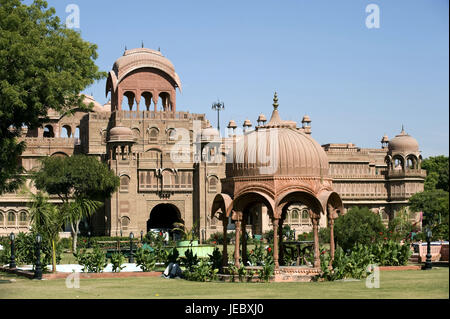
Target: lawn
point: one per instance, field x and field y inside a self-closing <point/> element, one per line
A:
<point x="393" y="284"/>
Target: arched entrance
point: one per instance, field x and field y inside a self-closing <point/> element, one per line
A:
<point x="163" y="216"/>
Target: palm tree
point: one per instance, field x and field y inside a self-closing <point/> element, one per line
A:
<point x="47" y="219"/>
<point x="76" y="211"/>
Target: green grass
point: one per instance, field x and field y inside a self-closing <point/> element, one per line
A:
<point x="393" y="284"/>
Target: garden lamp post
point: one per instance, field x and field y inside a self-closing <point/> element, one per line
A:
<point x="12" y="263"/>
<point x="131" y="258"/>
<point x="38" y="268"/>
<point x="295" y="238"/>
<point x="89" y="239"/>
<point x="142" y="236"/>
<point x="427" y="265"/>
<point x="121" y="233"/>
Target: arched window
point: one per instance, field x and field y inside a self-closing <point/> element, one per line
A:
<point x="172" y="134"/>
<point x="48" y="131"/>
<point x="153" y="135"/>
<point x="129" y="101"/>
<point x="147" y="99"/>
<point x="23" y="219"/>
<point x="125" y="221"/>
<point x="11" y="219"/>
<point x="165" y="105"/>
<point x="398" y="163"/>
<point x="2" y="219"/>
<point x="411" y="162"/>
<point x="306" y="220"/>
<point x="212" y="185"/>
<point x="295" y="216"/>
<point x="66" y="131"/>
<point x="124" y="183"/>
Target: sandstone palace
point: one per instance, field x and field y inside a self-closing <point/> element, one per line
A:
<point x="174" y="167"/>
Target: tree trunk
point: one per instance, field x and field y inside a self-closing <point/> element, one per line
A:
<point x="75" y="229"/>
<point x="53" y="256"/>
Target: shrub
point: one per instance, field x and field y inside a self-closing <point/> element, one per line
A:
<point x="216" y="259"/>
<point x="201" y="272"/>
<point x="94" y="261"/>
<point x="172" y="257"/>
<point x="256" y="256"/>
<point x="190" y="259"/>
<point x="268" y="236"/>
<point x="25" y="250"/>
<point x="145" y="259"/>
<point x="117" y="259"/>
<point x="359" y="225"/>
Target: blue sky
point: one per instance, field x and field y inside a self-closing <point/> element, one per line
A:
<point x="355" y="83"/>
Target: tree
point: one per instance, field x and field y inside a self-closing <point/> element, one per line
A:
<point x="434" y="205"/>
<point x="47" y="220"/>
<point x="43" y="65"/>
<point x="358" y="225"/>
<point x="437" y="172"/>
<point x="81" y="182"/>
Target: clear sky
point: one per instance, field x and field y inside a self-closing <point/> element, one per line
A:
<point x="355" y="83"/>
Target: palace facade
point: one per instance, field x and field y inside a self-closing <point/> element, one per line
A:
<point x="174" y="167"/>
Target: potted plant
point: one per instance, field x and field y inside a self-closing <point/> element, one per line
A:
<point x="189" y="237"/>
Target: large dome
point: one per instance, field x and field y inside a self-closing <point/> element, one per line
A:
<point x="121" y="134"/>
<point x="277" y="148"/>
<point x="144" y="58"/>
<point x="403" y="143"/>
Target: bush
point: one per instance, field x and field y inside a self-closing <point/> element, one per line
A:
<point x="256" y="256"/>
<point x="201" y="272"/>
<point x="268" y="236"/>
<point x="190" y="260"/>
<point x="145" y="259"/>
<point x="66" y="243"/>
<point x="94" y="261"/>
<point x="172" y="257"/>
<point x="216" y="259"/>
<point x="358" y="226"/>
<point x="117" y="259"/>
<point x="25" y="250"/>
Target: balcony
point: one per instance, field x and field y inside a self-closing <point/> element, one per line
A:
<point x="420" y="173"/>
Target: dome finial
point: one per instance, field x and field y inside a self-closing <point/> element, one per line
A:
<point x="142" y="44"/>
<point x="403" y="130"/>
<point x="275" y="101"/>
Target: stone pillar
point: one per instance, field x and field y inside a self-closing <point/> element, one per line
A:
<point x="275" y="242"/>
<point x="331" y="223"/>
<point x="315" y="222"/>
<point x="236" y="244"/>
<point x="280" y="242"/>
<point x="244" y="241"/>
<point x="225" y="241"/>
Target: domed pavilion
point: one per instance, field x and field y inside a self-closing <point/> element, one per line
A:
<point x="277" y="165"/>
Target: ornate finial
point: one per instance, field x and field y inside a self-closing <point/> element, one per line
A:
<point x="403" y="129"/>
<point x="159" y="49"/>
<point x="275" y="101"/>
<point x="142" y="44"/>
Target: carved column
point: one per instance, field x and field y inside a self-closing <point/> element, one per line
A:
<point x="275" y="242"/>
<point x="315" y="222"/>
<point x="237" y="217"/>
<point x="280" y="242"/>
<point x="225" y="240"/>
<point x="331" y="225"/>
<point x="244" y="241"/>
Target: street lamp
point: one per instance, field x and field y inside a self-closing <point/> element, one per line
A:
<point x="12" y="263"/>
<point x="121" y="233"/>
<point x="427" y="265"/>
<point x="131" y="258"/>
<point x="142" y="236"/>
<point x="218" y="106"/>
<point x="89" y="239"/>
<point x="38" y="268"/>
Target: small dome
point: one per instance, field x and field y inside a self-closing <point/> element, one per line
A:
<point x="306" y="119"/>
<point x="141" y="58"/>
<point x="385" y="139"/>
<point x="121" y="134"/>
<point x="90" y="99"/>
<point x="208" y="134"/>
<point x="403" y="143"/>
<point x="232" y="124"/>
<point x="247" y="123"/>
<point x="262" y="118"/>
